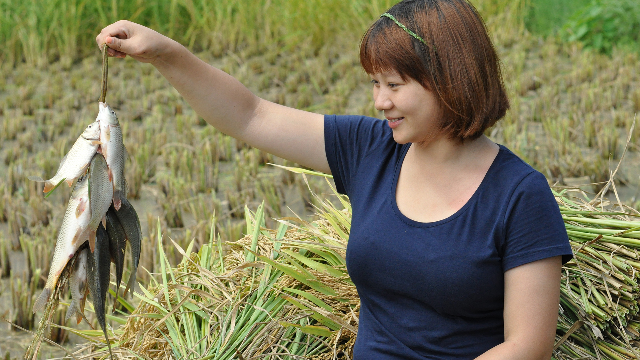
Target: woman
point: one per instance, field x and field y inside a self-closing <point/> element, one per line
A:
<point x="456" y="244"/>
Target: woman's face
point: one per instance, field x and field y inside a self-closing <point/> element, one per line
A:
<point x="412" y="112"/>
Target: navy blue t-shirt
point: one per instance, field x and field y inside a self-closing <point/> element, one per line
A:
<point x="435" y="290"/>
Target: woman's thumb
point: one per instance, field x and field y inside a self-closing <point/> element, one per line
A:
<point x="114" y="43"/>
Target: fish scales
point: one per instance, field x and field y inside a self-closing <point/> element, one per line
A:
<point x="78" y="286"/>
<point x="117" y="243"/>
<point x="98" y="277"/>
<point x="112" y="147"/>
<point x="70" y="238"/>
<point x="75" y="162"/>
<point x="100" y="194"/>
<point x="131" y="225"/>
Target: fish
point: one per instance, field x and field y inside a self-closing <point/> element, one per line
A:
<point x="131" y="225"/>
<point x="113" y="150"/>
<point x="76" y="161"/>
<point x="70" y="238"/>
<point x="117" y="244"/>
<point x="98" y="278"/>
<point x="100" y="195"/>
<point x="78" y="286"/>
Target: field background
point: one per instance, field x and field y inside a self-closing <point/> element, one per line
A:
<point x="571" y="70"/>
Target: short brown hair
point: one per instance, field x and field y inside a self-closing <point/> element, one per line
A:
<point x="458" y="61"/>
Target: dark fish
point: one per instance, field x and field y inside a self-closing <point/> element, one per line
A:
<point x="117" y="243"/>
<point x="131" y="225"/>
<point x="98" y="277"/>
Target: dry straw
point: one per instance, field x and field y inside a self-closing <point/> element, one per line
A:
<point x="284" y="293"/>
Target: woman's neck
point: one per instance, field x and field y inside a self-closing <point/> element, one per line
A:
<point x="444" y="152"/>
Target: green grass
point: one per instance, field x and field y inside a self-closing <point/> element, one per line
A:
<point x="41" y="32"/>
<point x="546" y="17"/>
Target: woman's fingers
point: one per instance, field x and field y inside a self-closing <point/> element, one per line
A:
<point x="127" y="38"/>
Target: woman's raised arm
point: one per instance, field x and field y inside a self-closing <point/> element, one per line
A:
<point x="222" y="100"/>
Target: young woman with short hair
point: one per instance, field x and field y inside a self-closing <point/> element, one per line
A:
<point x="456" y="244"/>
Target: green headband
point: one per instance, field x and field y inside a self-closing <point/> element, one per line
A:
<point x="404" y="27"/>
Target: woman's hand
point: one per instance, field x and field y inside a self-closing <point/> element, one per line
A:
<point x="220" y="99"/>
<point x="127" y="38"/>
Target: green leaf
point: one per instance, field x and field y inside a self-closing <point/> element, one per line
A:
<point x="314" y="299"/>
<point x="309" y="329"/>
<point x="55" y="187"/>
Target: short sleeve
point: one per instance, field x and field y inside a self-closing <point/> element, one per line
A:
<point x="348" y="139"/>
<point x="534" y="228"/>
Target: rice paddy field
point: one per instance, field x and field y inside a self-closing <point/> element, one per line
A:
<point x="207" y="201"/>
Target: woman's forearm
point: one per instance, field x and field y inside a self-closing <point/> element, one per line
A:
<point x="516" y="351"/>
<point x="215" y="95"/>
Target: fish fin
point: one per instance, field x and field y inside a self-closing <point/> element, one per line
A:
<point x="131" y="284"/>
<point x="117" y="202"/>
<point x="70" y="181"/>
<point x="79" y="238"/>
<point x="80" y="314"/>
<point x="95" y="142"/>
<point x="42" y="300"/>
<point x="104" y="222"/>
<point x="107" y="133"/>
<point x="92" y="240"/>
<point x="48" y="186"/>
<point x="82" y="206"/>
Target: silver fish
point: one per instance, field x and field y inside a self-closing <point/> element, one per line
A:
<point x="78" y="286"/>
<point x="131" y="225"/>
<point x="75" y="163"/>
<point x="70" y="238"/>
<point x="100" y="194"/>
<point x="113" y="150"/>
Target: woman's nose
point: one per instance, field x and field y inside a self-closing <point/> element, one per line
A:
<point x="381" y="100"/>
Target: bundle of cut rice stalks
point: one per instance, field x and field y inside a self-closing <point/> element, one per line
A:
<point x="599" y="294"/>
<point x="285" y="293"/>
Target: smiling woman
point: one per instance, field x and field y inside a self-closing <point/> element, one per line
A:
<point x="453" y="58"/>
<point x="456" y="244"/>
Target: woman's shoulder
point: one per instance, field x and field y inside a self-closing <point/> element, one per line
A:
<point x="359" y="131"/>
<point x="510" y="173"/>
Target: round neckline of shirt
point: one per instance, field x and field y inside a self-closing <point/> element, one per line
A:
<point x="409" y="221"/>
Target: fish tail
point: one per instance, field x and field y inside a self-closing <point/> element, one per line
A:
<point x="104" y="329"/>
<point x="36" y="178"/>
<point x="42" y="300"/>
<point x="71" y="310"/>
<point x="131" y="284"/>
